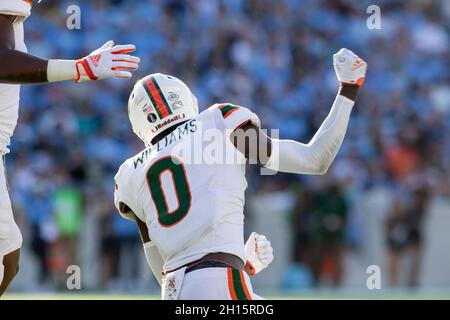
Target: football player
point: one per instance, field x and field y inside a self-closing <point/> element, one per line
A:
<point x="16" y="67"/>
<point x="190" y="212"/>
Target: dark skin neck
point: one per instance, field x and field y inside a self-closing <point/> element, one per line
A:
<point x="18" y="67"/>
<point x="166" y="132"/>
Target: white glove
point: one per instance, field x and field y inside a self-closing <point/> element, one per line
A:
<point x="350" y="69"/>
<point x="259" y="252"/>
<point x="109" y="61"/>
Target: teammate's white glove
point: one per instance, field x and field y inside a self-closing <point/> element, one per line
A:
<point x="350" y="69"/>
<point x="109" y="61"/>
<point x="259" y="252"/>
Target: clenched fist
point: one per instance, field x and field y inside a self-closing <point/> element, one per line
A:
<point x="350" y="69"/>
<point x="259" y="252"/>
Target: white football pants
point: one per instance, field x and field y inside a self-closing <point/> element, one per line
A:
<point x="217" y="284"/>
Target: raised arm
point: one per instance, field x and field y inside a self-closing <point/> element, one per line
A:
<point x="109" y="61"/>
<point x="316" y="156"/>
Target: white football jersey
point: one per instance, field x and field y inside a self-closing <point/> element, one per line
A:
<point x="189" y="187"/>
<point x="9" y="93"/>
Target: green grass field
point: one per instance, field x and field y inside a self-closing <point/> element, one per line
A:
<point x="70" y="296"/>
<point x="306" y="296"/>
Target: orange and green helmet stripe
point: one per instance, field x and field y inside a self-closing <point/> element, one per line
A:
<point x="237" y="286"/>
<point x="157" y="97"/>
<point x="227" y="109"/>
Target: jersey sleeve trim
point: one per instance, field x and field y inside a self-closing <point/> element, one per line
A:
<point x="227" y="109"/>
<point x="234" y="116"/>
<point x="123" y="206"/>
<point x="126" y="212"/>
<point x="243" y="124"/>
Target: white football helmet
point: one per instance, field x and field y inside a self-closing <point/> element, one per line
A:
<point x="158" y="102"/>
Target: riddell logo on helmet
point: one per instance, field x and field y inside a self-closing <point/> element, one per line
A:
<point x="168" y="121"/>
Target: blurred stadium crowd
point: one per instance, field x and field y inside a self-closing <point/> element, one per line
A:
<point x="273" y="57"/>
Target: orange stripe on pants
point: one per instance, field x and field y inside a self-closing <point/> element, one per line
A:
<point x="231" y="285"/>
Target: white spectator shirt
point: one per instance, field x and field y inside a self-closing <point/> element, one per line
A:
<point x="9" y="93"/>
<point x="192" y="201"/>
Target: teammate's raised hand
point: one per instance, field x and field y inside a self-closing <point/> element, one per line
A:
<point x="259" y="252"/>
<point x="109" y="61"/>
<point x="350" y="69"/>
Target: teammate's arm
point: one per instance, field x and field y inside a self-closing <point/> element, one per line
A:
<point x="316" y="156"/>
<point x="18" y="67"/>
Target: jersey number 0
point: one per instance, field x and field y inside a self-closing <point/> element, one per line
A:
<point x="182" y="190"/>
